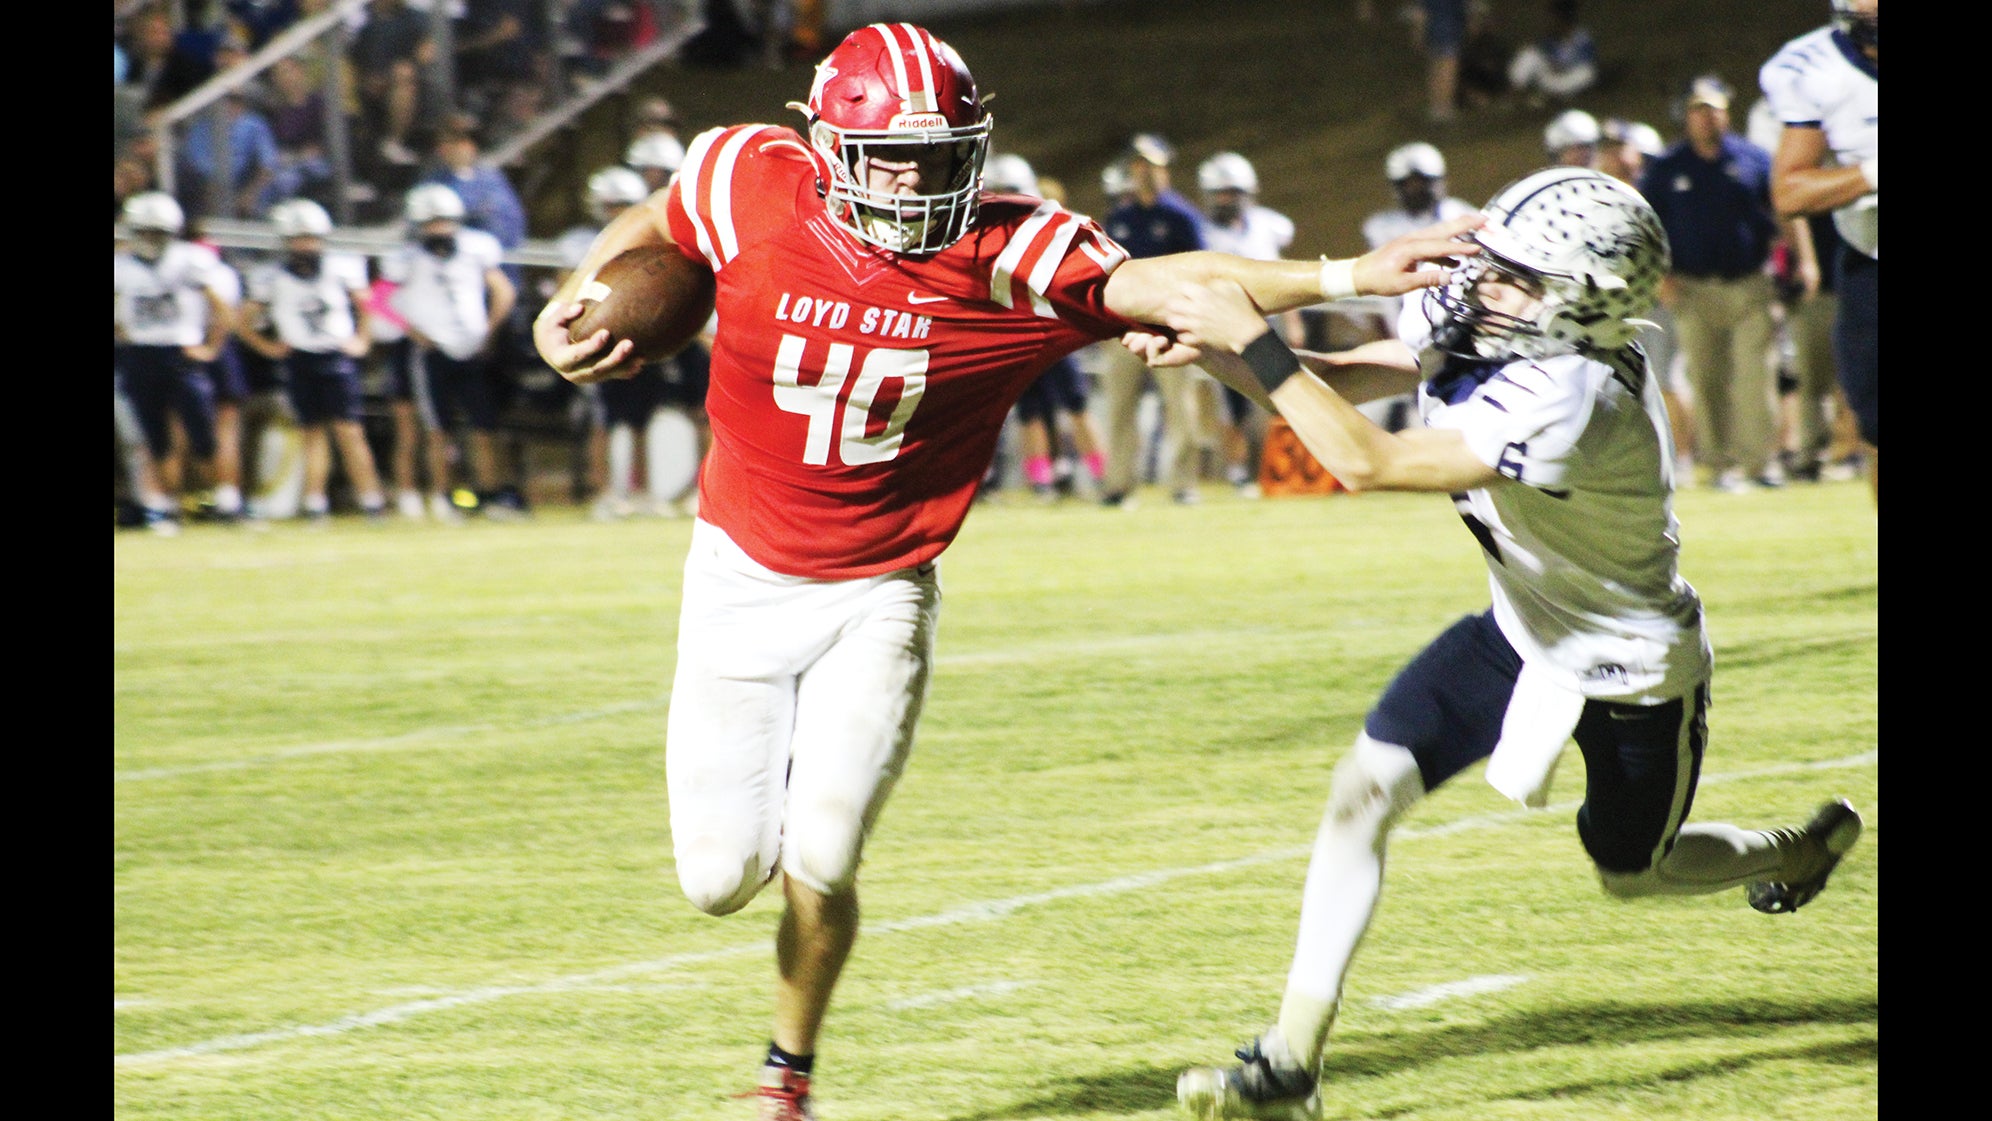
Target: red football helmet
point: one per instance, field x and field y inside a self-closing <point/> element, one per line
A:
<point x="895" y="94"/>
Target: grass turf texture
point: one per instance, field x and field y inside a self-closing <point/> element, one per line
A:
<point x="391" y="836"/>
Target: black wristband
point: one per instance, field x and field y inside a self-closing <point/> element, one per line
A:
<point x="1272" y="361"/>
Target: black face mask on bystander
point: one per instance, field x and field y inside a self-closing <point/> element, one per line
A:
<point x="440" y="245"/>
<point x="304" y="266"/>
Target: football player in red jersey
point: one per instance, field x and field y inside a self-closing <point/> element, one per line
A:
<point x="878" y="317"/>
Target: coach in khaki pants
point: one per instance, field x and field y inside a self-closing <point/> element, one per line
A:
<point x="1151" y="221"/>
<point x="1712" y="192"/>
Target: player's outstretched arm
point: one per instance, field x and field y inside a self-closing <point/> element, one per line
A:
<point x="1219" y="320"/>
<point x="1140" y="289"/>
<point x="592" y="359"/>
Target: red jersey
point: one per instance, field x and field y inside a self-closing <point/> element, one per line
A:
<point x="857" y="395"/>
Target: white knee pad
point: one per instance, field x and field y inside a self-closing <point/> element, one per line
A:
<point x="720" y="883"/>
<point x="1375" y="782"/>
<point x="821" y="845"/>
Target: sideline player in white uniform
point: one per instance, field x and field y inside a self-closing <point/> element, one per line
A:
<point x="878" y="317"/>
<point x="453" y="296"/>
<point x="315" y="304"/>
<point x="170" y="314"/>
<point x="1544" y="423"/>
<point x="1238" y="224"/>
<point x="1825" y="88"/>
<point x="1417" y="176"/>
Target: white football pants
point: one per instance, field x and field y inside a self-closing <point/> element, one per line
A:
<point x="792" y="714"/>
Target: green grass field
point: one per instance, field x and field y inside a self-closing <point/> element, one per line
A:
<point x="391" y="839"/>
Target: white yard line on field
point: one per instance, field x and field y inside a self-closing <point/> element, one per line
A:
<point x="987" y="911"/>
<point x="928" y="1000"/>
<point x="1471" y="986"/>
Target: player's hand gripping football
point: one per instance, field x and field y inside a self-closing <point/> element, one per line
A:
<point x="1404" y="264"/>
<point x="585" y="362"/>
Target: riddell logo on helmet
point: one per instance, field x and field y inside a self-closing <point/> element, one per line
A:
<point x="918" y="120"/>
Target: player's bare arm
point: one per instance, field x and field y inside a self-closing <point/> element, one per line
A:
<point x="503" y="294"/>
<point x="267" y="345"/>
<point x="1803" y="183"/>
<point x="1140" y="289"/>
<point x="1231" y="332"/>
<point x="362" y="339"/>
<point x="592" y="359"/>
<point x="221" y="321"/>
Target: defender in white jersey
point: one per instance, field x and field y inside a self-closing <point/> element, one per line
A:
<point x="315" y="305"/>
<point x="1237" y="224"/>
<point x="1825" y="87"/>
<point x="1544" y="423"/>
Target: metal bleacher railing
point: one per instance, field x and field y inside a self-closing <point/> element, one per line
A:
<point x="329" y="31"/>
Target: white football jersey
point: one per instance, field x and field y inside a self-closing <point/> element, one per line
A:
<point x="1261" y="233"/>
<point x="1821" y="80"/>
<point x="447" y="300"/>
<point x="159" y="303"/>
<point x="1583" y="555"/>
<point x="313" y="315"/>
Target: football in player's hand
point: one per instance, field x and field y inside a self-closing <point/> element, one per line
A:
<point x="652" y="295"/>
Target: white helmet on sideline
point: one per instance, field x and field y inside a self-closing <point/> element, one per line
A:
<point x="1227" y="171"/>
<point x="1415" y="158"/>
<point x="154" y="210"/>
<point x="1572" y="127"/>
<point x="614" y="186"/>
<point x="1008" y="173"/>
<point x="658" y="150"/>
<point x="300" y="218"/>
<point x="433" y="202"/>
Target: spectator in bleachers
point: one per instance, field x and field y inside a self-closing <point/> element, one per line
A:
<point x="389" y="52"/>
<point x="1442" y="34"/>
<point x="490" y="203"/>
<point x="653" y="116"/>
<point x="1712" y="192"/>
<point x="498" y="46"/>
<point x="1561" y="64"/>
<point x="260" y="20"/>
<point x="164" y="64"/>
<point x="297" y="122"/>
<point x="251" y="153"/>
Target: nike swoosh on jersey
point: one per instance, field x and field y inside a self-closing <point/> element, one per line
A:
<point x="916" y="298"/>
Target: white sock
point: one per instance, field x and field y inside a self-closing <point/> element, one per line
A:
<point x="228" y="499"/>
<point x="316" y="504"/>
<point x="1374" y="784"/>
<point x="1710" y="858"/>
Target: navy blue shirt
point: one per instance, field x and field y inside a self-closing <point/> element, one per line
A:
<point x="1172" y="225"/>
<point x="1717" y="212"/>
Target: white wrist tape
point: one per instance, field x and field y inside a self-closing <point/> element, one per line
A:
<point x="1868" y="169"/>
<point x="1338" y="278"/>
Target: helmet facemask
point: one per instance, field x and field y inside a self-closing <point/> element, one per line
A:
<point x="927" y="222"/>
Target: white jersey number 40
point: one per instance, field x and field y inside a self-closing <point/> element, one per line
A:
<point x="821" y="402"/>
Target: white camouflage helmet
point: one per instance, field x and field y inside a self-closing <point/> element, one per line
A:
<point x="1010" y="174"/>
<point x="432" y="202"/>
<point x="1116" y="180"/>
<point x="657" y="150"/>
<point x="614" y="186"/>
<point x="1227" y="171"/>
<point x="154" y="210"/>
<point x="1415" y="158"/>
<point x="300" y="218"/>
<point x="1591" y="244"/>
<point x="1573" y="126"/>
